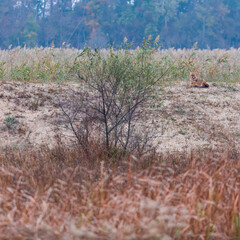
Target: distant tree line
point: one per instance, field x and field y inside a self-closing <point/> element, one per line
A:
<point x="98" y="23"/>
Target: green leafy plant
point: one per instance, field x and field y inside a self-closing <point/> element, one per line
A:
<point x="10" y="122"/>
<point x="9" y="119"/>
<point x="21" y="73"/>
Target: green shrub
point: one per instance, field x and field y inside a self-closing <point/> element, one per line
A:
<point x="116" y="84"/>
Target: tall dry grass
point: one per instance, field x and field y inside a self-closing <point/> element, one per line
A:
<point x="51" y="64"/>
<point x="66" y="194"/>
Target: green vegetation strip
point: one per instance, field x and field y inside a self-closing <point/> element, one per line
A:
<point x="67" y="64"/>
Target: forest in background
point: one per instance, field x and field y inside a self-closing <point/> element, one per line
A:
<point x="98" y="23"/>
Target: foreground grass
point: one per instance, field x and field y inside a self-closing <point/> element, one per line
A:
<point x="69" y="194"/>
<point x="57" y="65"/>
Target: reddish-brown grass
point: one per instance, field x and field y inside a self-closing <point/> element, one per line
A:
<point x="68" y="194"/>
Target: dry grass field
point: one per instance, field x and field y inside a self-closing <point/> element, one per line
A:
<point x="186" y="188"/>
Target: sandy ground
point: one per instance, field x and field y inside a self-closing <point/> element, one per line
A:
<point x="27" y="113"/>
<point x="195" y="118"/>
<point x="181" y="118"/>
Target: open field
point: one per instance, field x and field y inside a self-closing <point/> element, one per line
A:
<point x="187" y="187"/>
<point x="181" y="118"/>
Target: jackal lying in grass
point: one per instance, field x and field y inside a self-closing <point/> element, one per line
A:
<point x="195" y="81"/>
